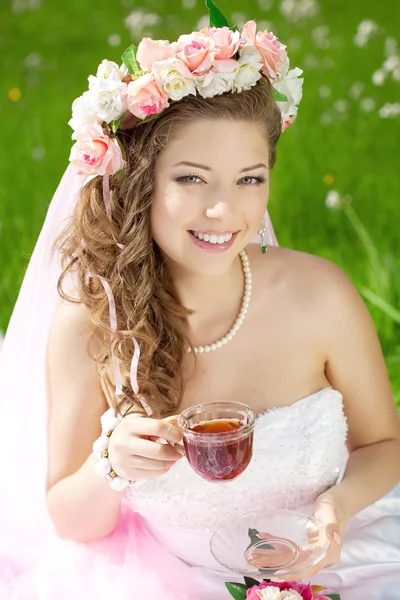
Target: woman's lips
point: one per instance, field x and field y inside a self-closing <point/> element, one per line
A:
<point x="209" y="247"/>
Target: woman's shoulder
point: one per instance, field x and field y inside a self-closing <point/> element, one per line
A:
<point x="311" y="282"/>
<point x="71" y="316"/>
<point x="72" y="326"/>
<point x="294" y="267"/>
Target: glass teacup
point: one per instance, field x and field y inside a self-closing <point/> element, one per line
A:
<point x="217" y="438"/>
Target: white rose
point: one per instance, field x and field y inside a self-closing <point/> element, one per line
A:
<point x="83" y="113"/>
<point x="249" y="69"/>
<point x="218" y="80"/>
<point x="175" y="78"/>
<point x="292" y="87"/>
<point x="106" y="68"/>
<point x="290" y="595"/>
<point x="269" y="593"/>
<point x="107" y="97"/>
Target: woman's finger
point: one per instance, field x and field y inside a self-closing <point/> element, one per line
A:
<point x="153" y="450"/>
<point x="153" y="427"/>
<point x="149" y="464"/>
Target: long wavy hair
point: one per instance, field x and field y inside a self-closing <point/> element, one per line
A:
<point x="146" y="302"/>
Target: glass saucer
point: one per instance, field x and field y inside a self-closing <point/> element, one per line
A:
<point x="278" y="543"/>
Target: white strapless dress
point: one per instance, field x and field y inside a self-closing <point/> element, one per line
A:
<point x="161" y="547"/>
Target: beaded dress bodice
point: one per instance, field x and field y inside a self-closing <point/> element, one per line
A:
<point x="299" y="451"/>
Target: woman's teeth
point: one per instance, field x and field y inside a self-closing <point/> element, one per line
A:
<point x="213" y="239"/>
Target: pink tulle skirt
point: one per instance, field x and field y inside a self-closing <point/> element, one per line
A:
<point x="127" y="565"/>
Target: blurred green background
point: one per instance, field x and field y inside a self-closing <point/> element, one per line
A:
<point x="335" y="189"/>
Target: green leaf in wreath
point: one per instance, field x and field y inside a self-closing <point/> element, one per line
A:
<point x="235" y="28"/>
<point x="278" y="97"/>
<point x="115" y="124"/>
<point x="237" y="590"/>
<point x="249" y="581"/>
<point x="333" y="596"/>
<point x="217" y="19"/>
<point x="129" y="59"/>
<point x="267" y="580"/>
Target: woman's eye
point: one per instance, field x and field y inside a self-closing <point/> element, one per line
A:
<point x="186" y="178"/>
<point x="256" y="180"/>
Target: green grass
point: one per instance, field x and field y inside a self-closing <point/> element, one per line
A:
<point x="360" y="150"/>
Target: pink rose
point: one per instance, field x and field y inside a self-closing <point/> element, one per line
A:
<point x="226" y="41"/>
<point x="94" y="153"/>
<point x="275" y="58"/>
<point x="197" y="52"/>
<point x="145" y="96"/>
<point x="303" y="589"/>
<point x="150" y="51"/>
<point x="287" y="123"/>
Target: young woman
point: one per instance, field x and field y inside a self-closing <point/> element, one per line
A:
<point x="159" y="260"/>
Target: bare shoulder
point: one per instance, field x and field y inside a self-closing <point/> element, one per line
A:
<point x="304" y="277"/>
<point x="328" y="308"/>
<point x="72" y="324"/>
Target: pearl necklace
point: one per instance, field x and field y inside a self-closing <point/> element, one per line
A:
<point x="243" y="311"/>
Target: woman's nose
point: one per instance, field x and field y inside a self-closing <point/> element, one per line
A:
<point x="220" y="209"/>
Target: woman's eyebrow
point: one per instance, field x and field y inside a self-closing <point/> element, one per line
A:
<point x="191" y="164"/>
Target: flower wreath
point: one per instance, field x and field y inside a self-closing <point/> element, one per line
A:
<point x="209" y="62"/>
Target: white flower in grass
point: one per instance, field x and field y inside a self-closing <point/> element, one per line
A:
<point x="367" y="104"/>
<point x="356" y="90"/>
<point x="390" y="46"/>
<point x="139" y="22"/>
<point x="389" y="110"/>
<point x="324" y="91"/>
<point x="378" y="78"/>
<point x="249" y="69"/>
<point x="341" y="106"/>
<point x="333" y="200"/>
<point x="396" y="74"/>
<point x="175" y="78"/>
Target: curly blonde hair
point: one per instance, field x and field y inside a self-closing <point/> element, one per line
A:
<point x="146" y="302"/>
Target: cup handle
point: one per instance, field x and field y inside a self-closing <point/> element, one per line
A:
<point x="175" y="445"/>
<point x="178" y="447"/>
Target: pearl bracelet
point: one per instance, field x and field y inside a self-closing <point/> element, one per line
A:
<point x="103" y="466"/>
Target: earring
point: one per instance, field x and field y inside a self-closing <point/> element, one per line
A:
<point x="261" y="233"/>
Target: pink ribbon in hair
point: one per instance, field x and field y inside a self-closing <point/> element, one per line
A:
<point x="113" y="317"/>
<point x="136" y="354"/>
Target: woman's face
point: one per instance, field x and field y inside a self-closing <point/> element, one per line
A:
<point x="223" y="194"/>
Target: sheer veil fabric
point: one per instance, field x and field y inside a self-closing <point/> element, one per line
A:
<point x="24" y="523"/>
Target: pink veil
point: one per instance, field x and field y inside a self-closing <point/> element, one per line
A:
<point x="24" y="525"/>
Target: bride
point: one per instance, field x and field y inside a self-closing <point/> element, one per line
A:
<point x="155" y="224"/>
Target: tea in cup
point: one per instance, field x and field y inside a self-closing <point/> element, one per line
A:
<point x="217" y="438"/>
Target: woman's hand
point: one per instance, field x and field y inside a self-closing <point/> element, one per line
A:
<point x="134" y="451"/>
<point x="331" y="513"/>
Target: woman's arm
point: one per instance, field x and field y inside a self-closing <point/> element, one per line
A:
<point x="355" y="366"/>
<point x="82" y="505"/>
